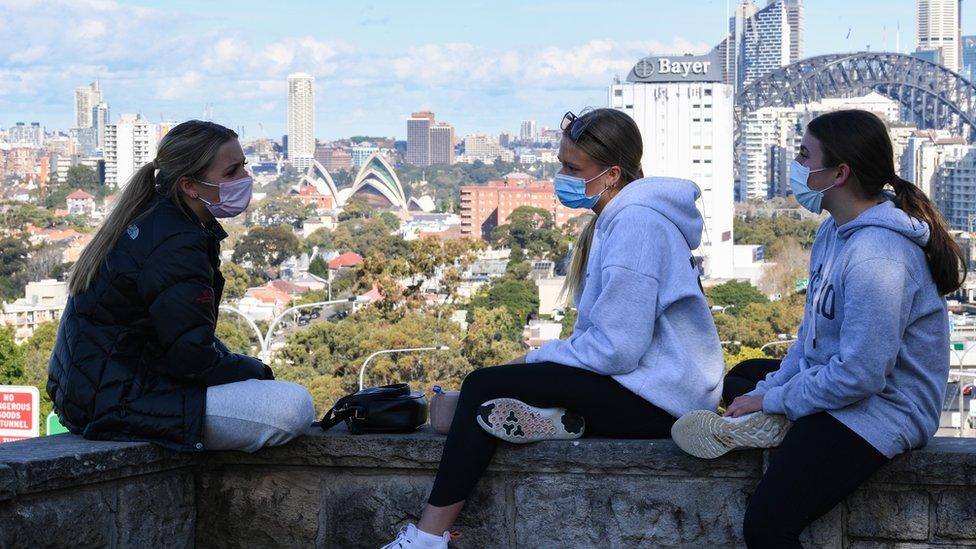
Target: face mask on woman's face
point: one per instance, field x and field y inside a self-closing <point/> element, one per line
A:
<point x="233" y="197"/>
<point x="807" y="197"/>
<point x="571" y="190"/>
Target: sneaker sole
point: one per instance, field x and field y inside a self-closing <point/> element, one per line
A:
<point x="515" y="421"/>
<point x="707" y="435"/>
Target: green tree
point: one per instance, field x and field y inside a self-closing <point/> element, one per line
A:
<point x="36" y="353"/>
<point x="14" y="253"/>
<point x="520" y="297"/>
<point x="278" y="210"/>
<point x="356" y="208"/>
<point x="86" y="179"/>
<point x="569" y="322"/>
<point x="319" y="267"/>
<point x="494" y="337"/>
<point x="236" y="279"/>
<point x="235" y="334"/>
<point x="735" y="294"/>
<point x="11" y="359"/>
<point x="264" y="248"/>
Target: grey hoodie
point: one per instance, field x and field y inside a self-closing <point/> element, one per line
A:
<point x="873" y="348"/>
<point x="642" y="316"/>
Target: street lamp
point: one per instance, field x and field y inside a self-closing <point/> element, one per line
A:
<point x="771" y="343"/>
<point x="362" y="369"/>
<point x="264" y="342"/>
<point x="962" y="386"/>
<point x="721" y="308"/>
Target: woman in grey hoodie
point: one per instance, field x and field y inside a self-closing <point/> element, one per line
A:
<point x="628" y="369"/>
<point x="866" y="377"/>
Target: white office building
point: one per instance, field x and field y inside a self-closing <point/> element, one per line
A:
<point x="301" y="120"/>
<point x="129" y="144"/>
<point x="937" y="29"/>
<point x="484" y="148"/>
<point x="925" y="152"/>
<point x="100" y="120"/>
<point x="31" y="135"/>
<point x="769" y="141"/>
<point x="360" y="152"/>
<point x="955" y="187"/>
<point x="684" y="112"/>
<point x="528" y="131"/>
<point x="86" y="98"/>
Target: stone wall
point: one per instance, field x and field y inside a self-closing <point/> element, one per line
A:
<point x="345" y="491"/>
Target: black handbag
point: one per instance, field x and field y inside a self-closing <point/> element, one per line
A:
<point x="387" y="409"/>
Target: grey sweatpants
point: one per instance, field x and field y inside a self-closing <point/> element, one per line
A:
<point x="249" y="415"/>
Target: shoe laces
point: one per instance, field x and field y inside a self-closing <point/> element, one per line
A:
<point x="398" y="542"/>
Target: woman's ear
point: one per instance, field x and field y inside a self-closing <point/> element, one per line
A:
<point x="616" y="174"/>
<point x="185" y="185"/>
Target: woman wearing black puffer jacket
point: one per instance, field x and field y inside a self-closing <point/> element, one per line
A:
<point x="136" y="357"/>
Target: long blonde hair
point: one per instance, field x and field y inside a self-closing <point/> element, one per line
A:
<point x="611" y="138"/>
<point x="187" y="150"/>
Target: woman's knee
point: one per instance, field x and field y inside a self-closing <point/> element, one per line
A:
<point x="296" y="411"/>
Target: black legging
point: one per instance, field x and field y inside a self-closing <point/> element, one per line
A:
<point x="610" y="410"/>
<point x="820" y="462"/>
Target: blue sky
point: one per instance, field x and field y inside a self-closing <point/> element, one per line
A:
<point x="479" y="65"/>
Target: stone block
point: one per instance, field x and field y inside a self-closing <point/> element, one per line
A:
<point x="258" y="507"/>
<point x="368" y="510"/>
<point x="610" y="511"/>
<point x="68" y="518"/>
<point x="955" y="514"/>
<point x="888" y="514"/>
<point x="157" y="511"/>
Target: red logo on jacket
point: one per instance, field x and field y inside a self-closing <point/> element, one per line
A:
<point x="206" y="296"/>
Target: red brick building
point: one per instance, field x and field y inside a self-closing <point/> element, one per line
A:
<point x="484" y="207"/>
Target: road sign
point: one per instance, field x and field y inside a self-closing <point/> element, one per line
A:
<point x="54" y="425"/>
<point x="958" y="346"/>
<point x="801" y="284"/>
<point x="19" y="412"/>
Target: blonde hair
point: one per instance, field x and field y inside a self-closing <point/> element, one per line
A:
<point x="187" y="150"/>
<point x="611" y="138"/>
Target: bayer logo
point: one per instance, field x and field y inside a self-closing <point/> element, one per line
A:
<point x="644" y="68"/>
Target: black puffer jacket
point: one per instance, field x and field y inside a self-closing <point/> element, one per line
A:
<point x="136" y="352"/>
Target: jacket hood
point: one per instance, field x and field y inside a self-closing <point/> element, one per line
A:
<point x="671" y="197"/>
<point x="888" y="216"/>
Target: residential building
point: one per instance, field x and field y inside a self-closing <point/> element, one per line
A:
<point x="301" y="119"/>
<point x="528" y="131"/>
<point x="937" y="29"/>
<point x="484" y="207"/>
<point x="44" y="301"/>
<point x="86" y="99"/>
<point x="129" y="144"/>
<point x="81" y="203"/>
<point x="334" y="158"/>
<point x="31" y="135"/>
<point x="442" y="143"/>
<point x="418" y="138"/>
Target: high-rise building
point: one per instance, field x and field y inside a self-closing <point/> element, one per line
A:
<point x="418" y="138"/>
<point x="760" y="40"/>
<point x="26" y="134"/>
<point x="528" y="132"/>
<point x="769" y="141"/>
<point x="301" y="119"/>
<point x="969" y="56"/>
<point x="937" y="28"/>
<point x="955" y="187"/>
<point x="925" y="152"/>
<point x="86" y="98"/>
<point x="485" y="148"/>
<point x="484" y="207"/>
<point x="100" y="119"/>
<point x="130" y="143"/>
<point x="684" y="113"/>
<point x="442" y="143"/>
<point x="794" y="16"/>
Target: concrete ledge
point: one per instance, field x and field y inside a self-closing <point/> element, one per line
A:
<point x="341" y="490"/>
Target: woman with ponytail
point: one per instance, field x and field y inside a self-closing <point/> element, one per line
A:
<point x="136" y="357"/>
<point x="644" y="349"/>
<point x="866" y="377"/>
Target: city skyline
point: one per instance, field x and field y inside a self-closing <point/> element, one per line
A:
<point x="372" y="67"/>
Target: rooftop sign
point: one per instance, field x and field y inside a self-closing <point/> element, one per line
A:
<point x="677" y="68"/>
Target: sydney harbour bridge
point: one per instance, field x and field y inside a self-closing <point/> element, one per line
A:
<point x="931" y="95"/>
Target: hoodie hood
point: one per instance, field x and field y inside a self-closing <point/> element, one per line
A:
<point x="888" y="216"/>
<point x="671" y="197"/>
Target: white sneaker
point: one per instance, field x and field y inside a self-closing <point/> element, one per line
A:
<point x="708" y="435"/>
<point x="515" y="421"/>
<point x="410" y="537"/>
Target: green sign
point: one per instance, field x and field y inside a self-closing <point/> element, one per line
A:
<point x="801" y="284"/>
<point x="54" y="426"/>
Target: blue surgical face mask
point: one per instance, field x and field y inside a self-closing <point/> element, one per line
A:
<point x="807" y="197"/>
<point x="571" y="191"/>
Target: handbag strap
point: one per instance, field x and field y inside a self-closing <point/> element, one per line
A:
<point x="337" y="415"/>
